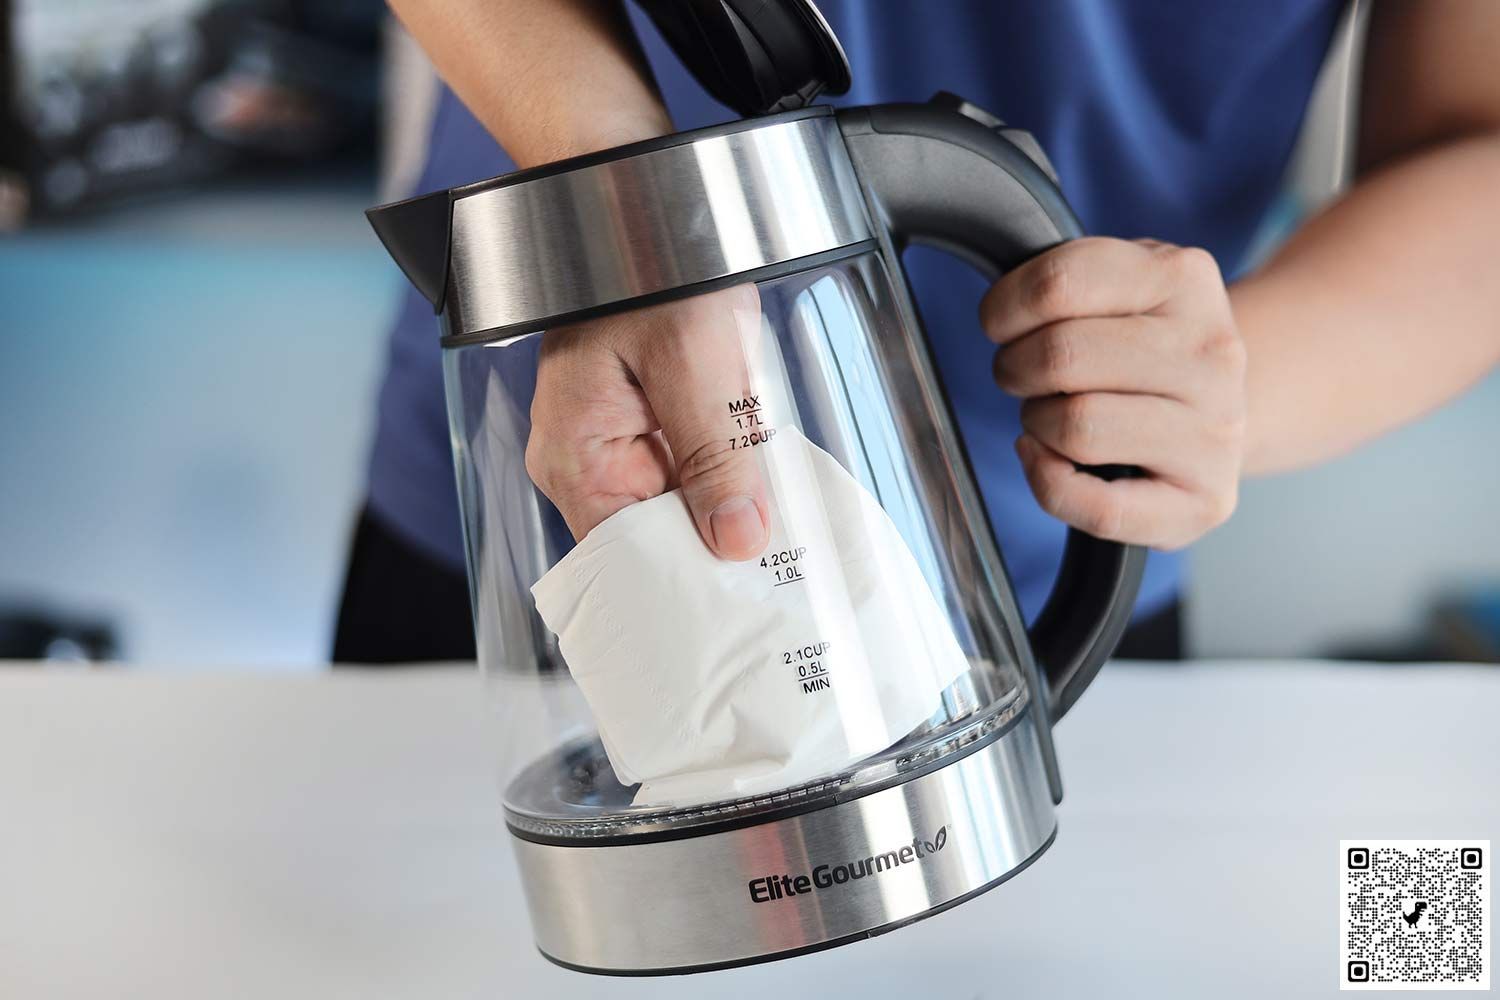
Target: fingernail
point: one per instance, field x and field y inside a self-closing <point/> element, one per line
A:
<point x="737" y="528"/>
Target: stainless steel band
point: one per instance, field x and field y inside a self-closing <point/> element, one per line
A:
<point x="797" y="884"/>
<point x="727" y="203"/>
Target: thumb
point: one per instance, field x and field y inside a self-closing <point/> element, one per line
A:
<point x="694" y="376"/>
<point x="724" y="493"/>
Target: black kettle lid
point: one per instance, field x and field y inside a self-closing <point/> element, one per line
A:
<point x="756" y="56"/>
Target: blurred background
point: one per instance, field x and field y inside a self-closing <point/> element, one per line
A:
<point x="192" y="326"/>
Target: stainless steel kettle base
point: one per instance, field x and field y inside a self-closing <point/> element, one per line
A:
<point x="684" y="901"/>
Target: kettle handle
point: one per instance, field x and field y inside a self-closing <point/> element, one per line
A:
<point x="943" y="174"/>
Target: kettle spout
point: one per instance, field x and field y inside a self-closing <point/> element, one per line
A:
<point x="415" y="234"/>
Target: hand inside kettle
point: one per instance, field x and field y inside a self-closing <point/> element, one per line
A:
<point x="630" y="406"/>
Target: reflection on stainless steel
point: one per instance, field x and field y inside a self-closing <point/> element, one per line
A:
<point x="535" y="249"/>
<point x="974" y="821"/>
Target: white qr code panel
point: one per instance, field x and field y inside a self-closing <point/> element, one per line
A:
<point x="1414" y="914"/>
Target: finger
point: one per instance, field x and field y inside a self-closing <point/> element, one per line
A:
<point x="690" y="363"/>
<point x="590" y="468"/>
<point x="1116" y="354"/>
<point x="1136" y="511"/>
<point x="1160" y="435"/>
<point x="1087" y="277"/>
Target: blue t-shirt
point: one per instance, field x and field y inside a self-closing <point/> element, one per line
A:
<point x="1171" y="119"/>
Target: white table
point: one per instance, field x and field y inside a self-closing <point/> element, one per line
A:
<point x="338" y="836"/>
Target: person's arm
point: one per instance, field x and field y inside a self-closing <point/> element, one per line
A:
<point x="628" y="406"/>
<point x="1381" y="308"/>
<point x="549" y="79"/>
<point x="1388" y="304"/>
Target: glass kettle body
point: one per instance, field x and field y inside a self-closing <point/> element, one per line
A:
<point x="851" y="730"/>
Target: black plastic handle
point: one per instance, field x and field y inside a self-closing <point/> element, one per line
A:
<point x="942" y="174"/>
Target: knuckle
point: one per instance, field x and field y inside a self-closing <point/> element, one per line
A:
<point x="1105" y="517"/>
<point x="681" y="330"/>
<point x="1193" y="263"/>
<point x="712" y="463"/>
<point x="1051" y="291"/>
<point x="659" y="345"/>
<point x="538" y="464"/>
<point x="1078" y="428"/>
<point x="1226" y="348"/>
<point x="1059" y="358"/>
<point x="1004" y="377"/>
<point x="1050" y="491"/>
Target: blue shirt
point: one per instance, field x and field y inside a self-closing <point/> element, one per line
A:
<point x="1172" y="119"/>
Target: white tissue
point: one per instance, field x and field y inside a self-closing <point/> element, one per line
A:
<point x="714" y="680"/>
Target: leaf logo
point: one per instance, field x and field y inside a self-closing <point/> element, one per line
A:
<point x="935" y="845"/>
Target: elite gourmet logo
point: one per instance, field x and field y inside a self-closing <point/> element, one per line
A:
<point x="772" y="887"/>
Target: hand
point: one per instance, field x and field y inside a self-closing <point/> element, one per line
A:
<point x="630" y="406"/>
<point x="1124" y="352"/>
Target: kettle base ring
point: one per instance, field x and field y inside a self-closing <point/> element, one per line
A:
<point x="811" y="948"/>
<point x="795" y="884"/>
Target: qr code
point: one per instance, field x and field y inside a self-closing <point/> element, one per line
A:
<point x="1414" y="914"/>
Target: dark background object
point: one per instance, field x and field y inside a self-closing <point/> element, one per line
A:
<point x="182" y="97"/>
<point x="755" y="56"/>
<point x="12" y="186"/>
<point x="1461" y="624"/>
<point x="1467" y="624"/>
<point x="34" y="633"/>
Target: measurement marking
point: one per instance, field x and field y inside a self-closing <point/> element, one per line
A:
<point x="795" y="579"/>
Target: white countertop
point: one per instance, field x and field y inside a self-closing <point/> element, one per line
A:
<point x="171" y="836"/>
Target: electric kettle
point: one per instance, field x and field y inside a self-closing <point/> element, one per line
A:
<point x="811" y="208"/>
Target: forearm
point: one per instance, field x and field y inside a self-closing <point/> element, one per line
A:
<point x="547" y="78"/>
<point x="1379" y="310"/>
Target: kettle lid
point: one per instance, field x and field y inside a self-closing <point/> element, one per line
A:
<point x="756" y="56"/>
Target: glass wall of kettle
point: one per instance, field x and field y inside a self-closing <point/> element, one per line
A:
<point x="867" y="631"/>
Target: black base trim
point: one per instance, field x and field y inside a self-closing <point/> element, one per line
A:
<point x="777" y="956"/>
<point x="769" y="272"/>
